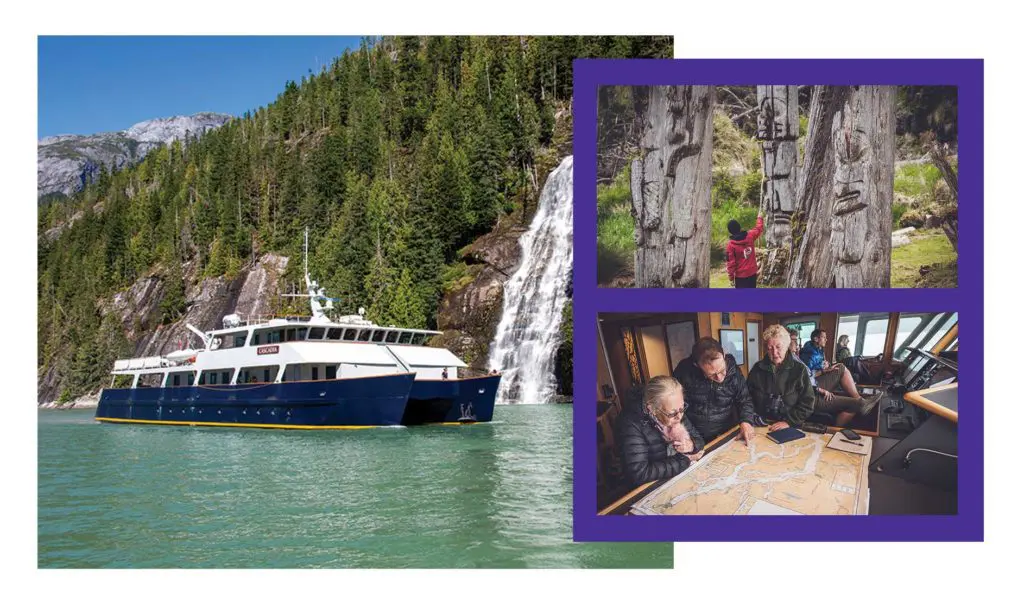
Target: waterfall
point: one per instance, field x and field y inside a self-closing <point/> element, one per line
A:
<point x="528" y="334"/>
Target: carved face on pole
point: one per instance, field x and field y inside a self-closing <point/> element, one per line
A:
<point x="772" y="119"/>
<point x="853" y="156"/>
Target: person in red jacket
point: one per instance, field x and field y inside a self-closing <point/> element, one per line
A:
<point x="741" y="260"/>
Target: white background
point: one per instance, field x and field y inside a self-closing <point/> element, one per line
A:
<point x="735" y="29"/>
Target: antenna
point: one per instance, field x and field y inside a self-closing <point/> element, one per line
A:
<point x="305" y="255"/>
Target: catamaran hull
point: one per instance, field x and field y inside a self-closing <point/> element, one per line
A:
<point x="452" y="401"/>
<point x="321" y="404"/>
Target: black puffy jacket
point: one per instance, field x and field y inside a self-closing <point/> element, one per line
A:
<point x="644" y="453"/>
<point x="713" y="408"/>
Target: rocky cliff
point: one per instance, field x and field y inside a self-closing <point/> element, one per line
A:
<point x="253" y="292"/>
<point x="66" y="163"/>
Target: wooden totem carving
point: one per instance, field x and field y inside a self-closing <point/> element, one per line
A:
<point x="671" y="188"/>
<point x="846" y="189"/>
<point x="778" y="127"/>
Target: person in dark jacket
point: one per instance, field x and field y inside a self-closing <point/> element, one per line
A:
<point x="842" y="349"/>
<point x="779" y="386"/>
<point x="828" y="378"/>
<point x="655" y="439"/>
<point x="740" y="258"/>
<point x="716" y="392"/>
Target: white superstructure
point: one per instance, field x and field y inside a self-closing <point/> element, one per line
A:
<point x="273" y="350"/>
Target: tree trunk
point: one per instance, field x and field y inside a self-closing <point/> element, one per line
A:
<point x="671" y="189"/>
<point x="778" y="126"/>
<point x="846" y="189"/>
<point x="950" y="221"/>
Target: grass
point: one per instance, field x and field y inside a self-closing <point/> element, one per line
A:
<point x="615" y="242"/>
<point x="927" y="247"/>
<point x="917" y="181"/>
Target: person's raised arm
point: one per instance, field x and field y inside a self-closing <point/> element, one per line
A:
<point x="755" y="233"/>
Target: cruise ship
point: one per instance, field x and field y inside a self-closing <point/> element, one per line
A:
<point x="310" y="372"/>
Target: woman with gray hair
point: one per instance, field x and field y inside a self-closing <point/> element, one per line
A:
<point x="656" y="441"/>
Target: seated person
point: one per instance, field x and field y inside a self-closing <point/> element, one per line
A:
<point x="843" y="349"/>
<point x="827" y="377"/>
<point x="779" y="385"/>
<point x="716" y="392"/>
<point x="655" y="439"/>
<point x="853" y="363"/>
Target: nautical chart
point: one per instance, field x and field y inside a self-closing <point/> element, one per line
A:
<point x="802" y="477"/>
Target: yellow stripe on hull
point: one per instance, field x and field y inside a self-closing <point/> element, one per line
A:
<point x="284" y="427"/>
<point x="451" y="423"/>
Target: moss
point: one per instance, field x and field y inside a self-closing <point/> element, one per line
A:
<point x="458" y="275"/>
<point x="929" y="251"/>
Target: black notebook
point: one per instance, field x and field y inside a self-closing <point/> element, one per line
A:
<point x="786" y="435"/>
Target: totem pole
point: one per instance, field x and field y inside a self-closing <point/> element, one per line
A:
<point x="671" y="188"/>
<point x="846" y="189"/>
<point x="778" y="126"/>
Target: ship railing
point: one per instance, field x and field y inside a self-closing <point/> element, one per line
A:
<point x="141" y="363"/>
<point x="255" y="320"/>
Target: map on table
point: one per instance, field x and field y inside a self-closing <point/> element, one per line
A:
<point x="802" y="477"/>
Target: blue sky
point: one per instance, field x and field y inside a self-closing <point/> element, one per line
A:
<point x="93" y="84"/>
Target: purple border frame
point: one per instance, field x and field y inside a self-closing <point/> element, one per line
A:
<point x="967" y="75"/>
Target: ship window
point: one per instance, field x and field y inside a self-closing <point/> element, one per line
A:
<point x="350" y="334"/>
<point x="290" y="334"/>
<point x="316" y="375"/>
<point x="392" y="337"/>
<point x="255" y="339"/>
<point x="334" y="334"/>
<point x="316" y="334"/>
<point x="177" y="380"/>
<point x="191" y="378"/>
<point x="240" y="340"/>
<point x="266" y="375"/>
<point x="364" y="335"/>
<point x="274" y="336"/>
<point x="202" y="378"/>
<point x="332" y="372"/>
<point x="378" y="335"/>
<point x="419" y="338"/>
<point x="405" y="338"/>
<point x="300" y="333"/>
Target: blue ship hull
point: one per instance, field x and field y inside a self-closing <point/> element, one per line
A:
<point x="349" y="403"/>
<point x="452" y="401"/>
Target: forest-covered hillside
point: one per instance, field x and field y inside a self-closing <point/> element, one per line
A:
<point x="395" y="156"/>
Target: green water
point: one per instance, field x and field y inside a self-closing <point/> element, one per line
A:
<point x="483" y="496"/>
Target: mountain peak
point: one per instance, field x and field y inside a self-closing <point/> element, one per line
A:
<point x="67" y="162"/>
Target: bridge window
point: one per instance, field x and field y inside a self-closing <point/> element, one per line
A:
<point x="867" y="332"/>
<point x="350" y="334"/>
<point x="332" y="372"/>
<point x="334" y="334"/>
<point x="392" y="337"/>
<point x="316" y="334"/>
<point x="419" y="339"/>
<point x="364" y="335"/>
<point x="316" y="374"/>
<point x="405" y="337"/>
<point x="922" y="331"/>
<point x="378" y="335"/>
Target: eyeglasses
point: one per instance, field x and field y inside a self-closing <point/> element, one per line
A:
<point x="719" y="373"/>
<point x="677" y="413"/>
